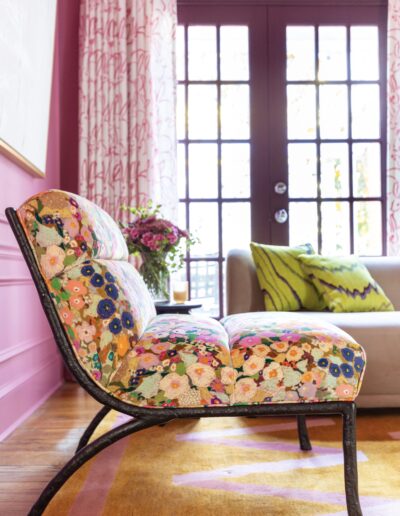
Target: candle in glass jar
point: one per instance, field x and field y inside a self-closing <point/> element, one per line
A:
<point x="180" y="291"/>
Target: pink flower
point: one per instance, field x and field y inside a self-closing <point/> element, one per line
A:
<point x="134" y="234"/>
<point x="345" y="391"/>
<point x="53" y="261"/>
<point x="147" y="239"/>
<point x="147" y="360"/>
<point x="247" y="342"/>
<point x="172" y="238"/>
<point x="72" y="226"/>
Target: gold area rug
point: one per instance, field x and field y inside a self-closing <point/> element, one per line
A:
<point x="236" y="466"/>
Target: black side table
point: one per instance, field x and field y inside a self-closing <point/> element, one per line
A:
<point x="165" y="307"/>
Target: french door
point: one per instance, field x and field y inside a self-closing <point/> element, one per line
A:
<point x="281" y="129"/>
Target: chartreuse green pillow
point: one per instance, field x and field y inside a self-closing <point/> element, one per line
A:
<point x="345" y="284"/>
<point x="285" y="286"/>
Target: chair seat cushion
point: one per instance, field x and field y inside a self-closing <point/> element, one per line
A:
<point x="190" y="361"/>
<point x="282" y="358"/>
<point x="180" y="361"/>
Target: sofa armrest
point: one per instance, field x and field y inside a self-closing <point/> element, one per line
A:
<point x="242" y="289"/>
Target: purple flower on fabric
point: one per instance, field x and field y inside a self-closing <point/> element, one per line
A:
<point x="334" y="370"/>
<point x="127" y="320"/>
<point x="109" y="277"/>
<point x="111" y="291"/>
<point x="105" y="308"/>
<point x="115" y="326"/>
<point x="347" y="370"/>
<point x="97" y="280"/>
<point x="87" y="270"/>
<point x="359" y="364"/>
<point x="348" y="354"/>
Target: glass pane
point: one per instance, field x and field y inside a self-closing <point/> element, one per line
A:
<point x="235" y="168"/>
<point x="204" y="286"/>
<point x="203" y="170"/>
<point x="365" y="113"/>
<point x="366" y="169"/>
<point x="204" y="226"/>
<point x="236" y="226"/>
<point x="202" y="112"/>
<point x="333" y="116"/>
<point x="332" y="57"/>
<point x="364" y="56"/>
<point x="202" y="55"/>
<point x="234" y="53"/>
<point x="182" y="215"/>
<point x="235" y="112"/>
<point x="334" y="170"/>
<point x="302" y="159"/>
<point x="181" y="171"/>
<point x="180" y="112"/>
<point x="180" y="53"/>
<point x="303" y="223"/>
<point x="367" y="228"/>
<point x="301" y="112"/>
<point x="300" y="53"/>
<point x="335" y="228"/>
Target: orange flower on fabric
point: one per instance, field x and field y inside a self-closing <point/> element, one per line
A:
<point x="76" y="302"/>
<point x="66" y="316"/>
<point x="76" y="287"/>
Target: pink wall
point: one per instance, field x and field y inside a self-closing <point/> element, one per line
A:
<point x="30" y="365"/>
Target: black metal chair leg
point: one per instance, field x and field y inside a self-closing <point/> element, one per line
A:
<point x="87" y="434"/>
<point x="350" y="460"/>
<point x="304" y="440"/>
<point x="86" y="453"/>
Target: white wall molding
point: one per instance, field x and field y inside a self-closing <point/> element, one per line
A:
<point x="22" y="347"/>
<point x="9" y="387"/>
<point x="8" y="282"/>
<point x="31" y="410"/>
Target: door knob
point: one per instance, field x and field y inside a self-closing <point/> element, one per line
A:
<point x="280" y="187"/>
<point x="281" y="216"/>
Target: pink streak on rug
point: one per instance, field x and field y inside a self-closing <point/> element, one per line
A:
<point x="91" y="498"/>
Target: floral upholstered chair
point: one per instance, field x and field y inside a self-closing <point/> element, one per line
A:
<point x="158" y="368"/>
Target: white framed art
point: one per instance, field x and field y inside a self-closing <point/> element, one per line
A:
<point x="27" y="32"/>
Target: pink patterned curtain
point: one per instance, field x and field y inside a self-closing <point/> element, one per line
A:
<point x="127" y="90"/>
<point x="394" y="127"/>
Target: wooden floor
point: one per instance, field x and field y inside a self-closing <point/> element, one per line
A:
<point x="34" y="452"/>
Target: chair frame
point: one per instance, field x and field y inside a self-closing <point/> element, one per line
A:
<point x="148" y="417"/>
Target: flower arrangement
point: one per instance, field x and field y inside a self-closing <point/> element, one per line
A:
<point x="159" y="244"/>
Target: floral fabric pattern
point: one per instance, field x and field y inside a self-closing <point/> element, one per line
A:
<point x="66" y="229"/>
<point x="180" y="361"/>
<point x="104" y="306"/>
<point x="281" y="358"/>
<point x="174" y="360"/>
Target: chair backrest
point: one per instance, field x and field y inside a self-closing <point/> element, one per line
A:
<point x="100" y="299"/>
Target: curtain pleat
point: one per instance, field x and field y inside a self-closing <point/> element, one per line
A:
<point x="127" y="98"/>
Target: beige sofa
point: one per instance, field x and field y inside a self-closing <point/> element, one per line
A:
<point x="377" y="332"/>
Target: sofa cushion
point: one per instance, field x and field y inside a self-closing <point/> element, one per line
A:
<point x="284" y="284"/>
<point x="345" y="284"/>
<point x="180" y="361"/>
<point x="65" y="230"/>
<point x="104" y="306"/>
<point x="185" y="361"/>
<point x="285" y="358"/>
